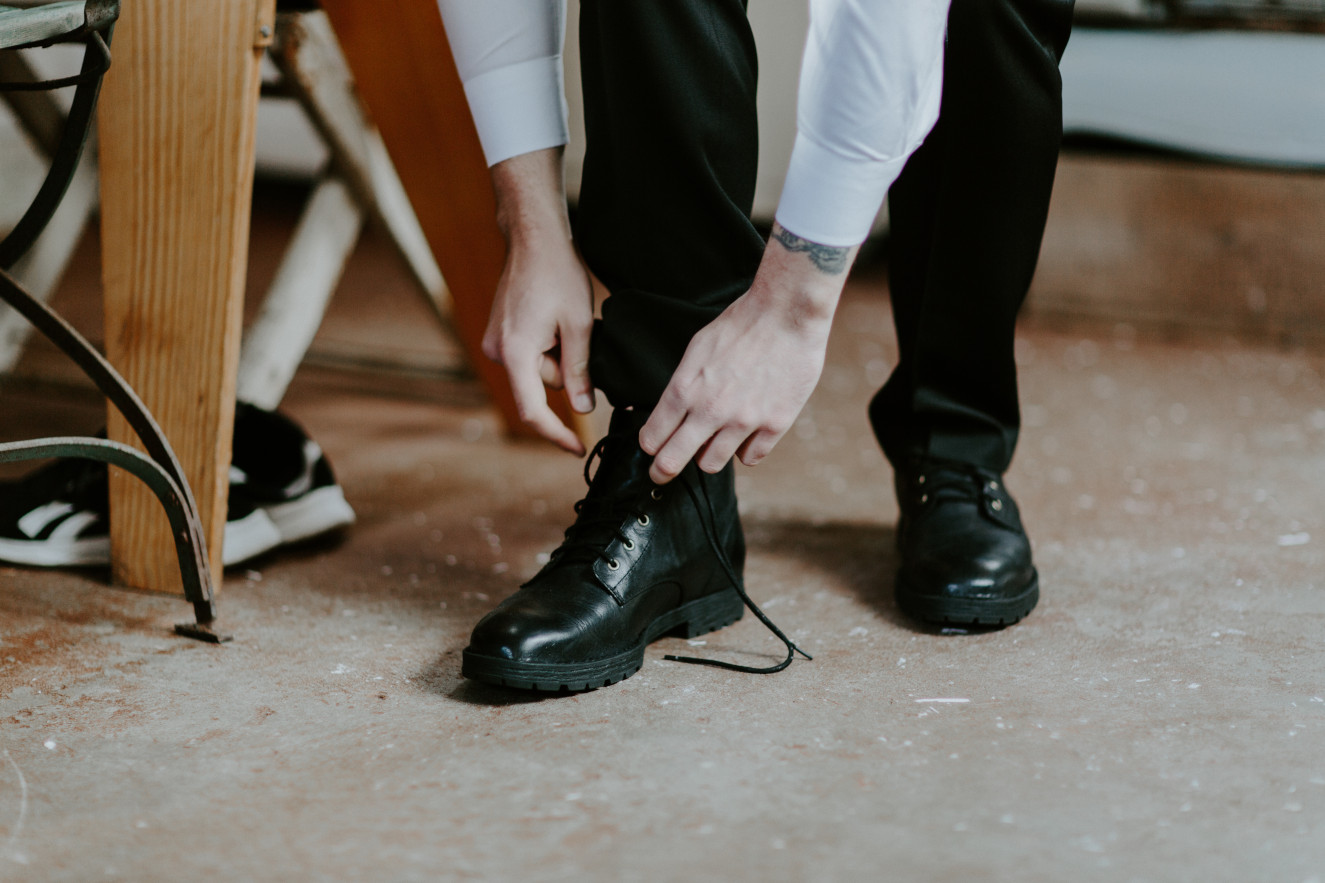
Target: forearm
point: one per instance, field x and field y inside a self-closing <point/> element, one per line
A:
<point x="543" y="310"/>
<point x="531" y="199"/>
<point x="747" y="374"/>
<point x="801" y="280"/>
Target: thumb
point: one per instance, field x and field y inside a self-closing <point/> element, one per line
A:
<point x="575" y="369"/>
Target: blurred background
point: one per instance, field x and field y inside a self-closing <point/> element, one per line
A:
<point x="1189" y="195"/>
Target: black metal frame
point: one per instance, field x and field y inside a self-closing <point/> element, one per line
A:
<point x="160" y="470"/>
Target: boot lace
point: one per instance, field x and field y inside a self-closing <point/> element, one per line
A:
<point x="721" y="554"/>
<point x="943" y="482"/>
<point x="599" y="518"/>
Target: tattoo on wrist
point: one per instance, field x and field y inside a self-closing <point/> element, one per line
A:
<point x="828" y="259"/>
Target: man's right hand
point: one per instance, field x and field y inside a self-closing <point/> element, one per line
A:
<point x="543" y="312"/>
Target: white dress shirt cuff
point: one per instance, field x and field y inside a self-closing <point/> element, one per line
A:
<point x="830" y="199"/>
<point x="519" y="108"/>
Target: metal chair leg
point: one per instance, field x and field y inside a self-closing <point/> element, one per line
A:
<point x="160" y="470"/>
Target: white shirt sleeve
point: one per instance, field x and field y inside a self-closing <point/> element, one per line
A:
<point x="869" y="93"/>
<point x="508" y="53"/>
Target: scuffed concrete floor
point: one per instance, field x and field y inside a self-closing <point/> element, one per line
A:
<point x="1161" y="716"/>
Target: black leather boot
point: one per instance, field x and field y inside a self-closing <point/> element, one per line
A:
<point x="966" y="559"/>
<point x="641" y="561"/>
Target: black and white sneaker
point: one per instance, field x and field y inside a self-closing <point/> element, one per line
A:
<point x="57" y="515"/>
<point x="279" y="470"/>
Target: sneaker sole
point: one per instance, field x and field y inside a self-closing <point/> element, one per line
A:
<point x="698" y="617"/>
<point x="317" y="512"/>
<point x="249" y="537"/>
<point x="244" y="539"/>
<point x="270" y="527"/>
<point x="44" y="553"/>
<point x="962" y="611"/>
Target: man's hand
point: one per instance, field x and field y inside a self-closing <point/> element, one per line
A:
<point x="543" y="312"/>
<point x="745" y="377"/>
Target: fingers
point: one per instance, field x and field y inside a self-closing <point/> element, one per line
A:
<point x="574" y="373"/>
<point x="680" y="448"/>
<point x="531" y="402"/>
<point x="721" y="448"/>
<point x="758" y="446"/>
<point x="529" y="370"/>
<point x="710" y="443"/>
<point x="549" y="371"/>
<point x="680" y="430"/>
<point x="666" y="417"/>
<point x="657" y="432"/>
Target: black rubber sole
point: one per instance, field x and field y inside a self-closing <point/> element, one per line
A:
<point x="963" y="611"/>
<point x="698" y="617"/>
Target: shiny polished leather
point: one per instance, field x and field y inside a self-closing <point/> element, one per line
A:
<point x="965" y="557"/>
<point x="636" y="565"/>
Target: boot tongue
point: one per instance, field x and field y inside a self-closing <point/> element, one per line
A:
<point x="619" y="484"/>
<point x="623" y="468"/>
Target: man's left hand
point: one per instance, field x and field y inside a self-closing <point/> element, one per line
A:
<point x="745" y="376"/>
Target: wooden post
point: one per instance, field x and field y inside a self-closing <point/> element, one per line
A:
<point x="177" y="122"/>
<point x="402" y="63"/>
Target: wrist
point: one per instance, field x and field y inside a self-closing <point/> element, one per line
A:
<point x="533" y="222"/>
<point x="531" y="198"/>
<point x="801" y="280"/>
<point x="808" y="309"/>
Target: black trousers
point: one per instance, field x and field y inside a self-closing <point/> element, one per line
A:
<point x="663" y="216"/>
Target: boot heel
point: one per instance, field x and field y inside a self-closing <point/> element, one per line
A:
<point x="710" y="613"/>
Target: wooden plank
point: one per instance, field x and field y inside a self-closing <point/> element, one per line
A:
<point x="402" y="64"/>
<point x="315" y="70"/>
<point x="297" y="299"/>
<point x="177" y="121"/>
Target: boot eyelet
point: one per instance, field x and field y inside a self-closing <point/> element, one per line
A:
<point x="924" y="498"/>
<point x="628" y="545"/>
<point x="993" y="485"/>
<point x="996" y="505"/>
<point x="643" y="521"/>
<point x="656" y="493"/>
<point x="920" y="479"/>
<point x="613" y="564"/>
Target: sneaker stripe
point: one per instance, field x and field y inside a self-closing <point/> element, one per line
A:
<point x="34" y="522"/>
<point x="304" y="483"/>
<point x="71" y="527"/>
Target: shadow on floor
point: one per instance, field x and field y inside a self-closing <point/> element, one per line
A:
<point x="862" y="556"/>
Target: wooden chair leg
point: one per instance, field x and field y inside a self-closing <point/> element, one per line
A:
<point x="315" y="70"/>
<point x="178" y="120"/>
<point x="292" y="310"/>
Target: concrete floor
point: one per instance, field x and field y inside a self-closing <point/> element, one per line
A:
<point x="1161" y="716"/>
